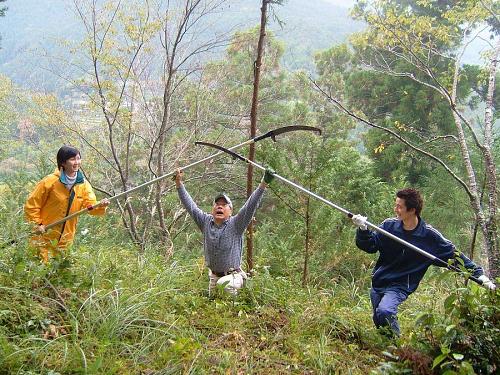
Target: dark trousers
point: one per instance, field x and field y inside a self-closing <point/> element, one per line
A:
<point x="385" y="303"/>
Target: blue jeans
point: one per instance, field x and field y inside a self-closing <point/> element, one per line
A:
<point x="385" y="303"/>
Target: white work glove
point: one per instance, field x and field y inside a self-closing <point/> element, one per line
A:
<point x="487" y="283"/>
<point x="360" y="221"/>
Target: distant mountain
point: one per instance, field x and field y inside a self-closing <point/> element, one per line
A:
<point x="32" y="28"/>
<point x="29" y="29"/>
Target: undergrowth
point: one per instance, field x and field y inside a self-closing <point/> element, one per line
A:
<point x="105" y="310"/>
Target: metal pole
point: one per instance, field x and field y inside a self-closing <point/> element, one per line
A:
<point x="115" y="197"/>
<point x="270" y="134"/>
<point x="346" y="212"/>
<point x="125" y="193"/>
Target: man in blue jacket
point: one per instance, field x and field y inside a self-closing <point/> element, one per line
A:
<point x="399" y="270"/>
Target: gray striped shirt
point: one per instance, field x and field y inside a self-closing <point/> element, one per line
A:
<point x="222" y="245"/>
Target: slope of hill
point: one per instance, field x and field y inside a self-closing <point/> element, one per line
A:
<point x="32" y="28"/>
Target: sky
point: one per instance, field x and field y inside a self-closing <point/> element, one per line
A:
<point x="341" y="3"/>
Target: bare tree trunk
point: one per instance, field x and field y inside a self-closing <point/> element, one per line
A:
<point x="253" y="123"/>
<point x="305" y="273"/>
<point x="111" y="117"/>
<point x="476" y="226"/>
<point x="160" y="164"/>
<point x="490" y="230"/>
<point x="485" y="217"/>
<point x="307" y="239"/>
<point x="475" y="199"/>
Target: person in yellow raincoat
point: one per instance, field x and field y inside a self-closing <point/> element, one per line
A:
<point x="57" y="195"/>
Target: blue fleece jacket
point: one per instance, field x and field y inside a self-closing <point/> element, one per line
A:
<point x="401" y="268"/>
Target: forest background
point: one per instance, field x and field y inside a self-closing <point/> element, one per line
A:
<point x="405" y="93"/>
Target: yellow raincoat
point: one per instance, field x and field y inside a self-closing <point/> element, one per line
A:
<point x="48" y="202"/>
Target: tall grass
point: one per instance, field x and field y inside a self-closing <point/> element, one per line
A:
<point x="102" y="309"/>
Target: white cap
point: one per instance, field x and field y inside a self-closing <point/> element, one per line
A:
<point x="225" y="197"/>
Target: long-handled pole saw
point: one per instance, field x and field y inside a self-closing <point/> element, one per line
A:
<point x="270" y="134"/>
<point x="344" y="211"/>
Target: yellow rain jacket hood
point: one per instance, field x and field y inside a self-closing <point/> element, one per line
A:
<point x="49" y="202"/>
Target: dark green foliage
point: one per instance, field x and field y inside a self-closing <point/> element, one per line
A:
<point x="461" y="337"/>
<point x="466" y="338"/>
<point x="336" y="171"/>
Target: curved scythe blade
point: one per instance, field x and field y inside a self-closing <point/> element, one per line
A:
<point x="286" y="129"/>
<point x="223" y="149"/>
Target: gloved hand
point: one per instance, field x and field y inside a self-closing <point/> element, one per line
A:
<point x="487" y="283"/>
<point x="178" y="177"/>
<point x="360" y="221"/>
<point x="268" y="176"/>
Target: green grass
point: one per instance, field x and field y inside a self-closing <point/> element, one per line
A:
<point x="107" y="311"/>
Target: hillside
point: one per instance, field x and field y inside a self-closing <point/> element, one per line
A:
<point x="32" y="29"/>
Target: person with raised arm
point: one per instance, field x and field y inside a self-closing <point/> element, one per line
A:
<point x="223" y="233"/>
